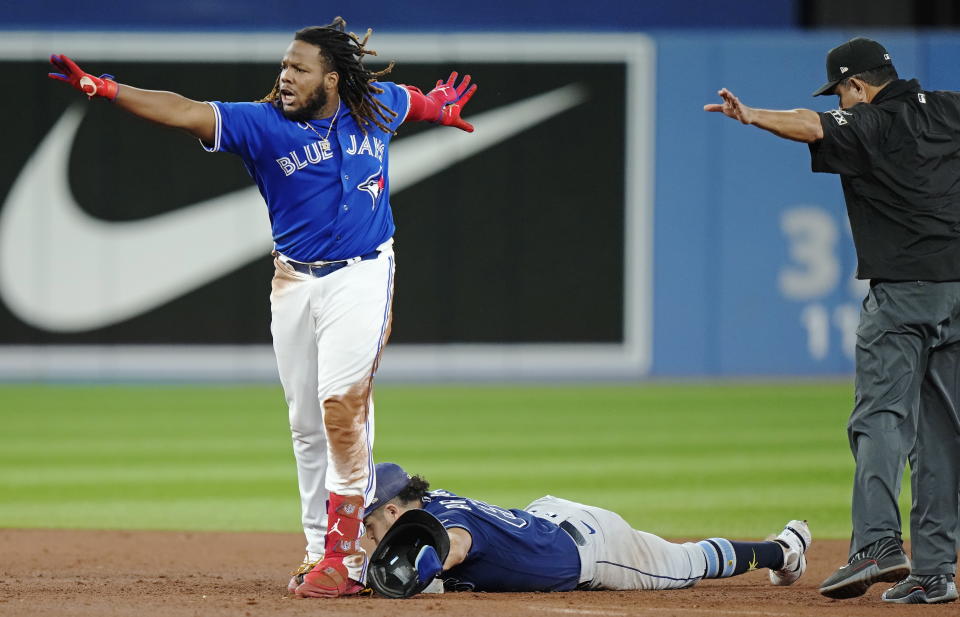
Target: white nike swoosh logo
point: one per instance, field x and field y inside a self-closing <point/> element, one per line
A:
<point x="53" y="254"/>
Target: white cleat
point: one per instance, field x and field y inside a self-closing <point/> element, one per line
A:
<point x="795" y="540"/>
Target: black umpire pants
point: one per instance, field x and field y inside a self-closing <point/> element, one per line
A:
<point x="907" y="401"/>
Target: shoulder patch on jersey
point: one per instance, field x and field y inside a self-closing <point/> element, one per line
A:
<point x="839" y="116"/>
<point x="922" y="97"/>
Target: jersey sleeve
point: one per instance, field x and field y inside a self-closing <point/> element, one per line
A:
<point x="397" y="98"/>
<point x="239" y="128"/>
<point x="848" y="138"/>
<point x="452" y="517"/>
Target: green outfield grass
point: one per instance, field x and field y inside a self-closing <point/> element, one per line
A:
<point x="684" y="460"/>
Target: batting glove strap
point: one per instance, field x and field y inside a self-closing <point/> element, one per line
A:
<point x="103" y="86"/>
<point x="427" y="564"/>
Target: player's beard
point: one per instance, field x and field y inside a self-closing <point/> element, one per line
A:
<point x="315" y="103"/>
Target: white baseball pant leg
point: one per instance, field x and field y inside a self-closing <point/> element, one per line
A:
<point x="328" y="334"/>
<point x="615" y="556"/>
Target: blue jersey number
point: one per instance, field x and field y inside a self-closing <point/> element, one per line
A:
<point x="497" y="512"/>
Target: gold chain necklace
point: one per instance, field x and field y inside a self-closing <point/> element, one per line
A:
<point x="323" y="138"/>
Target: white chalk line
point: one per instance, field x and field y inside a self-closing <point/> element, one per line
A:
<point x="639" y="610"/>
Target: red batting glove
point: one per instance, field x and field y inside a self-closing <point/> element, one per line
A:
<point x="451" y="99"/>
<point x="84" y="82"/>
<point x="443" y="104"/>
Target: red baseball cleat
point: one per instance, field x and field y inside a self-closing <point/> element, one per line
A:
<point x="328" y="579"/>
<point x="296" y="577"/>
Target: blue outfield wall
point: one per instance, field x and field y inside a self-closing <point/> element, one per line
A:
<point x="753" y="263"/>
<point x="753" y="257"/>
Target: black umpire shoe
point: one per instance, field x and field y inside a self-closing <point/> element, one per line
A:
<point x="919" y="589"/>
<point x="882" y="561"/>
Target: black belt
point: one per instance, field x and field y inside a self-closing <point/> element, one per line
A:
<point x="573" y="532"/>
<point x="875" y="282"/>
<point x="319" y="270"/>
<point x="579" y="540"/>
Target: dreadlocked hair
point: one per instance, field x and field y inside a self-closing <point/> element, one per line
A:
<point x="343" y="52"/>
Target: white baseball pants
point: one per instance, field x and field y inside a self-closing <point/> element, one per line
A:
<point x="328" y="334"/>
<point x="615" y="556"/>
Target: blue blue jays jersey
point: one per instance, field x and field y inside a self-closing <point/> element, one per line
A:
<point x="512" y="550"/>
<point x="328" y="199"/>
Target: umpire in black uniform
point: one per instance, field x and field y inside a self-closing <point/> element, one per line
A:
<point x="896" y="148"/>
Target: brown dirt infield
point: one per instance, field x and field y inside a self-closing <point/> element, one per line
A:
<point x="172" y="574"/>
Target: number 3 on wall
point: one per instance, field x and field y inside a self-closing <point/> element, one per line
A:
<point x="812" y="235"/>
<point x="814" y="273"/>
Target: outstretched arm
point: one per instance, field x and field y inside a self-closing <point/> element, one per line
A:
<point x="164" y="108"/>
<point x="443" y="104"/>
<point x="795" y="124"/>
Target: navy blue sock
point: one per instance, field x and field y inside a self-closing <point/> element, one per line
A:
<point x="726" y="558"/>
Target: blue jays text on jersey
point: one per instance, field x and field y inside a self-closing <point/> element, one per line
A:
<point x="321" y="151"/>
<point x="328" y="199"/>
<point x="512" y="550"/>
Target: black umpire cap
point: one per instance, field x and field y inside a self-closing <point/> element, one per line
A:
<point x="853" y="57"/>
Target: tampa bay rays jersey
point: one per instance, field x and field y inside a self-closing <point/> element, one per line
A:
<point x="512" y="550"/>
<point x="327" y="198"/>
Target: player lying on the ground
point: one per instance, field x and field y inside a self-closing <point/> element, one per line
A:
<point x="551" y="545"/>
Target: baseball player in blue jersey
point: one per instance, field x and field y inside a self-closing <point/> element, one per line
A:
<point x="558" y="545"/>
<point x="317" y="147"/>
